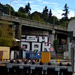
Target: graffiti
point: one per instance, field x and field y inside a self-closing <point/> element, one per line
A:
<point x="40" y="43"/>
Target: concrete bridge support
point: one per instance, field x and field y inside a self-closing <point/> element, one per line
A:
<point x="16" y="30"/>
<point x="51" y="38"/>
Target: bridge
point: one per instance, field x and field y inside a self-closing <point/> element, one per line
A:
<point x="23" y="26"/>
<point x="32" y="23"/>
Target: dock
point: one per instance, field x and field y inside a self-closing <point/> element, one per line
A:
<point x="32" y="68"/>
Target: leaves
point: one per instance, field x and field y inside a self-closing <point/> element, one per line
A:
<point x="6" y="34"/>
<point x="55" y="45"/>
<point x="37" y="18"/>
<point x="66" y="12"/>
<point x="28" y="8"/>
<point x="50" y="17"/>
<point x="6" y="8"/>
<point x="45" y="14"/>
<point x="25" y="10"/>
<point x="21" y="9"/>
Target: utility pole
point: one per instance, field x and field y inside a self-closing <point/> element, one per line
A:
<point x="10" y="7"/>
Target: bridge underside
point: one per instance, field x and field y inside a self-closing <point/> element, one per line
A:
<point x="34" y="31"/>
<point x="25" y="29"/>
<point x="60" y="36"/>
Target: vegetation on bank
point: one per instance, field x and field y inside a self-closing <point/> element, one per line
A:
<point x="6" y="34"/>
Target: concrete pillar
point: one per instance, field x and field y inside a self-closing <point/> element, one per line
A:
<point x="13" y="27"/>
<point x="68" y="40"/>
<point x="69" y="50"/>
<point x="12" y="55"/>
<point x="51" y="38"/>
<point x="19" y="31"/>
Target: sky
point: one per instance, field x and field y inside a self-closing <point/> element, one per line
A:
<point x="38" y="5"/>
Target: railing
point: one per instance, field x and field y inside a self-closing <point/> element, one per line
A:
<point x="32" y="23"/>
<point x="63" y="47"/>
<point x="57" y="56"/>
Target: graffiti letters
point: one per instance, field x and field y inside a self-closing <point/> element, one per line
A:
<point x="40" y="43"/>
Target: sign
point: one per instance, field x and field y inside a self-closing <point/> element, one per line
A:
<point x="39" y="43"/>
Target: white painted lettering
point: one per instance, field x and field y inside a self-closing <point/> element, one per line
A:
<point x="43" y="39"/>
<point x="36" y="46"/>
<point x="46" y="47"/>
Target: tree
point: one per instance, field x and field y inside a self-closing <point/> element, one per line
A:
<point x="45" y="11"/>
<point x="21" y="9"/>
<point x="37" y="18"/>
<point x="65" y="23"/>
<point x="27" y="8"/>
<point x="1" y="7"/>
<point x="54" y="20"/>
<point x="19" y="14"/>
<point x="72" y="18"/>
<point x="36" y="13"/>
<point x="6" y="8"/>
<point x="55" y="45"/>
<point x="6" y="32"/>
<point x="45" y="14"/>
<point x="50" y="16"/>
<point x="66" y="12"/>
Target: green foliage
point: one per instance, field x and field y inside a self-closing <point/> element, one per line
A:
<point x="55" y="45"/>
<point x="25" y="10"/>
<point x="22" y="15"/>
<point x="6" y="8"/>
<point x="21" y="9"/>
<point x="65" y="23"/>
<point x="35" y="13"/>
<point x="45" y="14"/>
<point x="50" y="16"/>
<point x="37" y="18"/>
<point x="72" y="18"/>
<point x="28" y="8"/>
<point x="45" y="11"/>
<point x="1" y="7"/>
<point x="54" y="19"/>
<point x="66" y="12"/>
<point x="6" y="32"/>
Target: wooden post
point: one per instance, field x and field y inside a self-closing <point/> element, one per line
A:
<point x="2" y="57"/>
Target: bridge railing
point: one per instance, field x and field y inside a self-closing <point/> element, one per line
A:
<point x="32" y="23"/>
